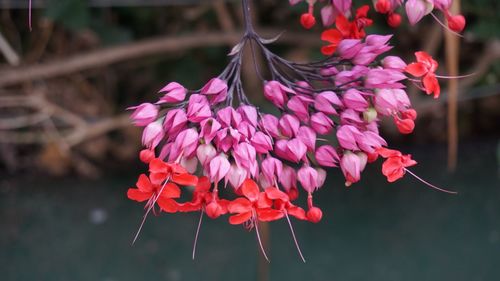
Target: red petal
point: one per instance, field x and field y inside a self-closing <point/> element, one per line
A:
<point x="177" y="169"/>
<point x="240" y="218"/>
<point x="331" y="35"/>
<point x="203" y="185"/>
<point x="362" y="12"/>
<point x="275" y="194"/>
<point x="185" y="179"/>
<point x="423" y="56"/>
<point x="328" y="50"/>
<point x="297" y="212"/>
<point x="239" y="205"/>
<point x="386" y="153"/>
<point x="171" y="190"/>
<point x="137" y="195"/>
<point x="343" y="25"/>
<point x="144" y="184"/>
<point x="269" y="214"/>
<point x="167" y="205"/>
<point x="157" y="178"/>
<point x="188" y="207"/>
<point x="250" y="189"/>
<point x="158" y="166"/>
<point x="431" y="85"/>
<point x="416" y="69"/>
<point x="392" y="168"/>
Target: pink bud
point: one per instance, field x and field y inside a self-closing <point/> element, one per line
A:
<point x="281" y="150"/>
<point x="351" y="166"/>
<point x="228" y="117"/>
<point x="227" y="138"/>
<point x="343" y="6"/>
<point x="262" y="142"/>
<point x="355" y="99"/>
<point x="349" y="48"/>
<point x="209" y="128"/>
<point x="320" y="180"/>
<point x="190" y="164"/>
<point x="321" y="123"/>
<point x="288" y="179"/>
<point x="174" y="92"/>
<point x="296" y="150"/>
<point x="205" y="153"/>
<point x="216" y="89"/>
<point x="185" y="144"/>
<point x="144" y="114"/>
<point x="276" y="92"/>
<point x="269" y="124"/>
<point x="327" y="156"/>
<point x="417" y="9"/>
<point x="245" y="156"/>
<point x="246" y="130"/>
<point x="289" y="125"/>
<point x="328" y="15"/>
<point x="271" y="168"/>
<point x="370" y="141"/>
<point x="299" y="107"/>
<point x="198" y="109"/>
<point x="349" y="116"/>
<point x="236" y="176"/>
<point x="219" y="167"/>
<point x="347" y="136"/>
<point x="384" y="78"/>
<point x="393" y="62"/>
<point x="153" y="134"/>
<point x="307" y="177"/>
<point x="385" y="102"/>
<point x="175" y="121"/>
<point x="307" y="136"/>
<point x="326" y="101"/>
<point x="249" y="114"/>
<point x="402" y="98"/>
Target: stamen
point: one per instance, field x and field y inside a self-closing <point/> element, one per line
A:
<point x="445" y="26"/>
<point x="455" y="77"/>
<point x="294" y="238"/>
<point x="430" y="185"/>
<point x="197" y="233"/>
<point x="258" y="239"/>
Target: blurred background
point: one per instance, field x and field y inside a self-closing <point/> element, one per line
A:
<point x="68" y="151"/>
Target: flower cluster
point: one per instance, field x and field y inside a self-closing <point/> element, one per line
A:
<point x="328" y="117"/>
<point x="335" y="12"/>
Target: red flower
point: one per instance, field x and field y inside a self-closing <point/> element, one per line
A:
<point x="425" y="66"/>
<point x="346" y="30"/>
<point x="394" y="166"/>
<point x="255" y="205"/>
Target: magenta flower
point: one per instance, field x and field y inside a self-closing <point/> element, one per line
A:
<point x="326" y="156"/>
<point x="321" y="123"/>
<point x="216" y="90"/>
<point x="153" y="134"/>
<point x="143" y="114"/>
<point x="174" y="92"/>
<point x="276" y="93"/>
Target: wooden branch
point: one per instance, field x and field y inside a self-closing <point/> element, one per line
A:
<point x="107" y="56"/>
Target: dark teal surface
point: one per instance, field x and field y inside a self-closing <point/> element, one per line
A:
<point x="371" y="231"/>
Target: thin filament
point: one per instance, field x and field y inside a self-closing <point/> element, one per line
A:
<point x="197" y="233"/>
<point x="294" y="238"/>
<point x="258" y="239"/>
<point x="430" y="185"/>
<point x="445" y="26"/>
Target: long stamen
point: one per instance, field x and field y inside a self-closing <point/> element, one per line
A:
<point x="428" y="184"/>
<point x="445" y="26"/>
<point x="149" y="210"/>
<point x="258" y="239"/>
<point x="197" y="233"/>
<point x="294" y="238"/>
<point x="455" y="77"/>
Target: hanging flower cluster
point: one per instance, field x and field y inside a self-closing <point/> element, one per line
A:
<point x="328" y="117"/>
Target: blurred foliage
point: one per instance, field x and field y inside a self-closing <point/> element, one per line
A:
<point x="483" y="17"/>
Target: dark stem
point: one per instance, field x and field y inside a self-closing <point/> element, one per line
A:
<point x="248" y="18"/>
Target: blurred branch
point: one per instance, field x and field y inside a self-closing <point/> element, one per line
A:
<point x="490" y="54"/>
<point x="107" y="56"/>
<point x="8" y="52"/>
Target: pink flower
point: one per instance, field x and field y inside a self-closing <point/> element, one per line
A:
<point x="307" y="177"/>
<point x="299" y="106"/>
<point x="417" y="9"/>
<point x="249" y="114"/>
<point x="327" y="156"/>
<point x="370" y="141"/>
<point x="307" y="136"/>
<point x="296" y="150"/>
<point x="153" y="134"/>
<point x="245" y="156"/>
<point x="347" y="136"/>
<point x="262" y="142"/>
<point x="246" y="130"/>
<point x="354" y="99"/>
<point x="385" y="102"/>
<point x="320" y="180"/>
<point x="349" y="48"/>
<point x="209" y="129"/>
<point x="289" y="125"/>
<point x="269" y="124"/>
<point x="393" y="62"/>
<point x="229" y="117"/>
<point x="321" y="123"/>
<point x="384" y="78"/>
<point x="352" y="165"/>
<point x="175" y="121"/>
<point x="288" y="179"/>
<point x="236" y="176"/>
<point x="174" y="92"/>
<point x="198" y="109"/>
<point x="227" y="138"/>
<point x="144" y="114"/>
<point x="325" y="101"/>
<point x="271" y="168"/>
<point x="219" y="167"/>
<point x="205" y="153"/>
<point x="276" y="93"/>
<point x="185" y="144"/>
<point x="350" y="117"/>
<point x="216" y="89"/>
